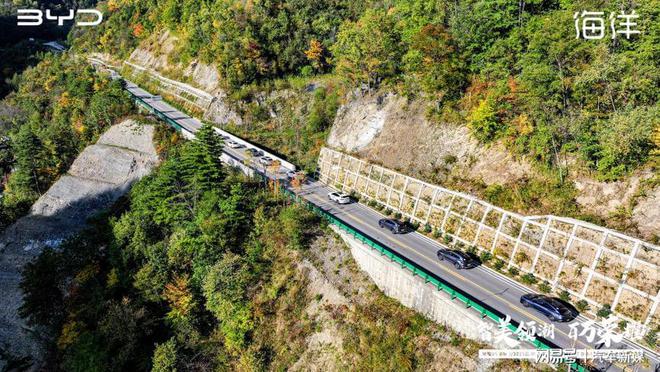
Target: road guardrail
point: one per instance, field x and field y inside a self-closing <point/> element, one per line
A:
<point x="454" y="293"/>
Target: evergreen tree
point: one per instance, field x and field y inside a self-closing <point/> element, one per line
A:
<point x="28" y="153"/>
<point x="201" y="160"/>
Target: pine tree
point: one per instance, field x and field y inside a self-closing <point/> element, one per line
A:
<point x="27" y="151"/>
<point x="201" y="160"/>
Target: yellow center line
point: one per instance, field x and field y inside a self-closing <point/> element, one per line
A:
<point x="444" y="269"/>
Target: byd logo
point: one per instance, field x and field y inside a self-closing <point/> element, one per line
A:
<point x="35" y="17"/>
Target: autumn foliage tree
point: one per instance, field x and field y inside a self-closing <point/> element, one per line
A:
<point x="368" y="50"/>
<point x="315" y="54"/>
<point x="434" y="64"/>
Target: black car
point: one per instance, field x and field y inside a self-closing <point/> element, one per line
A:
<point x="555" y="309"/>
<point x="461" y="260"/>
<point x="396" y="227"/>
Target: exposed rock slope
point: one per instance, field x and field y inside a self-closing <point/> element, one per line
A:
<point x="154" y="55"/>
<point x="96" y="179"/>
<point x="388" y="130"/>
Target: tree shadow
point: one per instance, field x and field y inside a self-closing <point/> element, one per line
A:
<point x="46" y="226"/>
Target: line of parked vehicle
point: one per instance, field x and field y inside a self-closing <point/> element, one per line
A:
<point x="557" y="310"/>
<point x="258" y="154"/>
<point x="263" y="159"/>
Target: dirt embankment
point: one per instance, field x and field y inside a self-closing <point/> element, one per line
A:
<point x="97" y="178"/>
<point x="386" y="129"/>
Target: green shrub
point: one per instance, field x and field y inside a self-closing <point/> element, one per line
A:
<point x="483" y="121"/>
<point x="437" y="234"/>
<point x="427" y="228"/>
<point x="307" y="71"/>
<point x="622" y="325"/>
<point x="513" y="271"/>
<point x="582" y="306"/>
<point x="499" y="264"/>
<point x="165" y="356"/>
<point x="455" y="340"/>
<point x="388" y="212"/>
<point x="397" y="215"/>
<point x="545" y="287"/>
<point x="651" y="338"/>
<point x="564" y="295"/>
<point x="528" y="278"/>
<point x="447" y="239"/>
<point x="486" y="256"/>
<point x="604" y="311"/>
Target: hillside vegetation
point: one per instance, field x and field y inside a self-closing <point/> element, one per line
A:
<point x="58" y="107"/>
<point x="511" y="71"/>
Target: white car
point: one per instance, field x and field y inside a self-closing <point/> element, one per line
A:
<point x="233" y="144"/>
<point x="266" y="160"/>
<point x="339" y="198"/>
<point x="296" y="174"/>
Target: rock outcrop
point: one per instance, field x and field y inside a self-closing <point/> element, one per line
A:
<point x="387" y="129"/>
<point x="154" y="56"/>
<point x="391" y="131"/>
<point x="97" y="178"/>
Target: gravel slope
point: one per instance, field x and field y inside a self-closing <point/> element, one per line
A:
<point x="97" y="178"/>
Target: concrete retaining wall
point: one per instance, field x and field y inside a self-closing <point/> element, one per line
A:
<point x="414" y="292"/>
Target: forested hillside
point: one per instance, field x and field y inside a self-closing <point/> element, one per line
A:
<point x="199" y="268"/>
<point x="510" y="71"/>
<point x="59" y="106"/>
<point x="20" y="47"/>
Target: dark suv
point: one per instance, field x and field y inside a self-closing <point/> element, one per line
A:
<point x="461" y="260"/>
<point x="396" y="227"/>
<point x="554" y="308"/>
<point x="255" y="152"/>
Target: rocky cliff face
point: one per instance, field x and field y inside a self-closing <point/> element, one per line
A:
<point x="98" y="177"/>
<point x="386" y="129"/>
<point x="154" y="55"/>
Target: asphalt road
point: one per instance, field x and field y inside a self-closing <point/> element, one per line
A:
<point x="189" y="123"/>
<point x="482" y="283"/>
